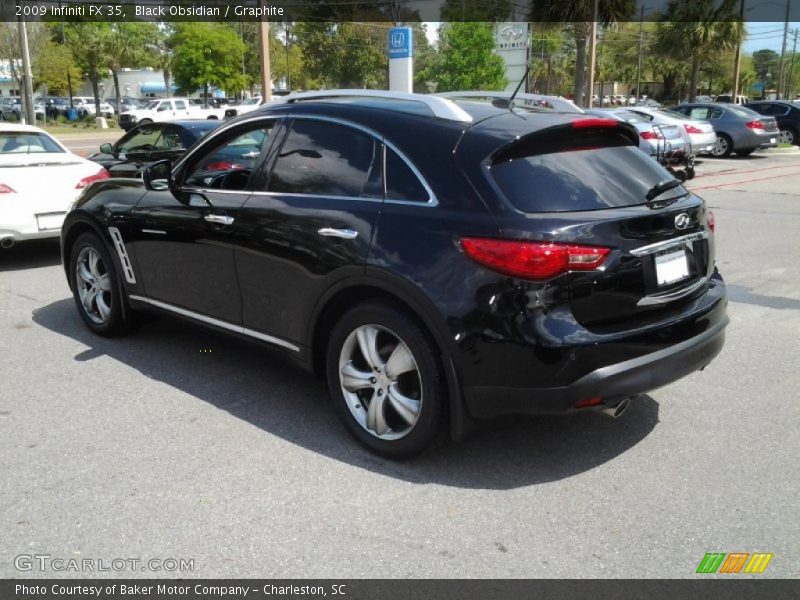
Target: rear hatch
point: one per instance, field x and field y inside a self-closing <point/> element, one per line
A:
<point x="584" y="183"/>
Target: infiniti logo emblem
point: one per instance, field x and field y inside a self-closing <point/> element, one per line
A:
<point x="682" y="221"/>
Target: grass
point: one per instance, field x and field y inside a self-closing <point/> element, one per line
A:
<point x="67" y="129"/>
<point x="785" y="145"/>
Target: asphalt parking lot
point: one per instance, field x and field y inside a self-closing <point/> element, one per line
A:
<point x="176" y="442"/>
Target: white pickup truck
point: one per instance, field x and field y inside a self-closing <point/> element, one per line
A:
<point x="167" y="109"/>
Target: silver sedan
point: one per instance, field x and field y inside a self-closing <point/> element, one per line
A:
<point x="699" y="134"/>
<point x="739" y="129"/>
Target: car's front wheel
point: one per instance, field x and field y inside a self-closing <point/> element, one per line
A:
<point x="385" y="380"/>
<point x="96" y="287"/>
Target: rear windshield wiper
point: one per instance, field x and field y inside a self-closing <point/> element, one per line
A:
<point x="658" y="189"/>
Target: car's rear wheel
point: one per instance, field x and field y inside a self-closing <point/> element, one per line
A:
<point x="788" y="136"/>
<point x="385" y="380"/>
<point x="96" y="287"/>
<point x="722" y="147"/>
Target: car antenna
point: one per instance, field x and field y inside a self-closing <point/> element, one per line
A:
<point x="509" y="102"/>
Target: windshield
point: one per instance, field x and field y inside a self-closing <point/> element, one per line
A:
<point x="28" y="143"/>
<point x="743" y="112"/>
<point x="672" y="113"/>
<point x="152" y="104"/>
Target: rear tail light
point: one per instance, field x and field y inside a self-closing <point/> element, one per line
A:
<point x="100" y="175"/>
<point x="533" y="260"/>
<point x="651" y="135"/>
<point x="711" y="223"/>
<point x="222" y="166"/>
<point x="692" y="129"/>
<point x="589" y="402"/>
<point x="755" y="124"/>
<point x="6" y="189"/>
<point x="593" y="122"/>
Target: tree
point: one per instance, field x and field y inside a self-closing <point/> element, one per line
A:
<point x="466" y="59"/>
<point x="580" y="14"/>
<point x="766" y="65"/>
<point x="698" y="29"/>
<point x="127" y="45"/>
<point x="205" y="55"/>
<point x="53" y="66"/>
<point x="476" y="10"/>
<point x="88" y="42"/>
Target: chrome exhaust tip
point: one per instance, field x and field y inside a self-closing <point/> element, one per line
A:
<point x="7" y="243"/>
<point x="615" y="412"/>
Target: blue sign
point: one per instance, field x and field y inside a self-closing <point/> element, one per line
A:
<point x="399" y="42"/>
<point x="758" y="87"/>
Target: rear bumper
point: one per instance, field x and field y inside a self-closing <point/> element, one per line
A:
<point x="612" y="383"/>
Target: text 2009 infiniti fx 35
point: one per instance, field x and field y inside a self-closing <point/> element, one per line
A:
<point x="438" y="262"/>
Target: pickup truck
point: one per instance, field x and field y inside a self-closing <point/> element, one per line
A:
<point x="245" y="107"/>
<point x="167" y="109"/>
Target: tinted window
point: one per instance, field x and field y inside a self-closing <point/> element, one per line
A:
<point x="581" y="179"/>
<point x="699" y="112"/>
<point x="741" y="111"/>
<point x="401" y="182"/>
<point x="323" y="159"/>
<point x="145" y="139"/>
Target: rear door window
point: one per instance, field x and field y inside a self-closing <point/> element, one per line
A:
<point x="584" y="178"/>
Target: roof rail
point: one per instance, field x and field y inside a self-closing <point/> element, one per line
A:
<point x="557" y="103"/>
<point x="439" y="106"/>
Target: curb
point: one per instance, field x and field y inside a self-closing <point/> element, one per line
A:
<point x="790" y="151"/>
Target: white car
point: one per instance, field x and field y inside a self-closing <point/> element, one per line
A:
<point x="699" y="134"/>
<point x="39" y="181"/>
<point x="165" y="110"/>
<point x="85" y="107"/>
<point x="245" y="107"/>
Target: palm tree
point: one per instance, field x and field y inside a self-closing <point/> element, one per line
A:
<point x="579" y="14"/>
<point x="697" y="28"/>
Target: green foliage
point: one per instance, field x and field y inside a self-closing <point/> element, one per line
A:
<point x="205" y="55"/>
<point x="476" y="10"/>
<point x="766" y="66"/>
<point x="466" y="59"/>
<point x="51" y="65"/>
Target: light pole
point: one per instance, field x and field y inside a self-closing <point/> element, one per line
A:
<point x="263" y="53"/>
<point x="30" y="114"/>
<point x="592" y="54"/>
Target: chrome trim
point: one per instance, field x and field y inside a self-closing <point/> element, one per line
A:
<point x="216" y="322"/>
<point x="127" y="268"/>
<point x="219" y="219"/>
<point x="670" y="296"/>
<point x="684" y="239"/>
<point x="431" y="201"/>
<point x="346" y="234"/>
<point x="158" y="231"/>
<point x="439" y="106"/>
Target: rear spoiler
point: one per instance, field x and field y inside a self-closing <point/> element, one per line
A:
<point x="554" y="103"/>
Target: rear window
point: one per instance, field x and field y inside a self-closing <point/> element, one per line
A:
<point x="741" y="111"/>
<point x="581" y="179"/>
<point x="28" y="143"/>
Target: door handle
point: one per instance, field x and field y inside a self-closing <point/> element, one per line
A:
<point x="219" y="219"/>
<point x="346" y="234"/>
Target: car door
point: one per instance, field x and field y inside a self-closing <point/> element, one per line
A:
<point x="308" y="223"/>
<point x="183" y="242"/>
<point x="181" y="110"/>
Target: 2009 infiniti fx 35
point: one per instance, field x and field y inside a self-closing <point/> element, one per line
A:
<point x="438" y="261"/>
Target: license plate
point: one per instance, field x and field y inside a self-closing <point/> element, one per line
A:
<point x="771" y="140"/>
<point x="671" y="266"/>
<point x="47" y="221"/>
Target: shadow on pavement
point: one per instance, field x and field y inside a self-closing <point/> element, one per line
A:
<point x="266" y="389"/>
<point x="30" y="255"/>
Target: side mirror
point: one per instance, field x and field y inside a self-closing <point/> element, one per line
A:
<point x="107" y="149"/>
<point x="156" y="176"/>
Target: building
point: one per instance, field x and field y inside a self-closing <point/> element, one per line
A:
<point x="8" y="85"/>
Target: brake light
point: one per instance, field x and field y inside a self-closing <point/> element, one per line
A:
<point x="651" y="135"/>
<point x="594" y="401"/>
<point x="755" y="124"/>
<point x="711" y="223"/>
<point x="692" y="129"/>
<point x="222" y="166"/>
<point x="533" y="260"/>
<point x="593" y="122"/>
<point x="101" y="174"/>
<point x="6" y="189"/>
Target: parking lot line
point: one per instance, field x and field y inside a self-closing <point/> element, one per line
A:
<point x="743" y="181"/>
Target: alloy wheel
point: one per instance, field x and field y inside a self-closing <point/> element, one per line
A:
<point x="94" y="285"/>
<point x="720" y="146"/>
<point x="787" y="136"/>
<point x="381" y="382"/>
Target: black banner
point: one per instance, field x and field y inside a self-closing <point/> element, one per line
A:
<point x="383" y="589"/>
<point x="385" y="10"/>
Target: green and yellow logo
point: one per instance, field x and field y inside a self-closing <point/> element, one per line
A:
<point x="735" y="562"/>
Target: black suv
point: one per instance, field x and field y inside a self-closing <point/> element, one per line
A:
<point x="437" y="262"/>
<point x="787" y="114"/>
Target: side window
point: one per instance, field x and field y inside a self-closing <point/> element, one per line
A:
<point x="401" y="182"/>
<point x="145" y="139"/>
<point x="180" y="105"/>
<point x="171" y="139"/>
<point x="698" y="113"/>
<point x="164" y="106"/>
<point x="229" y="165"/>
<point x="324" y="159"/>
<point x="715" y="113"/>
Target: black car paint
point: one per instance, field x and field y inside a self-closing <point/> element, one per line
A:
<point x="787" y="114"/>
<point x="508" y="345"/>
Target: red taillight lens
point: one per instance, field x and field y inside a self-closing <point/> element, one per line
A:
<point x="589" y="402"/>
<point x="222" y="166"/>
<point x="101" y="174"/>
<point x="6" y="189"/>
<point x="593" y="122"/>
<point x="756" y="124"/>
<point x="651" y="135"/>
<point x="533" y="260"/>
<point x="692" y="129"/>
<point x="711" y="222"/>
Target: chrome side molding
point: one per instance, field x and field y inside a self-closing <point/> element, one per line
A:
<point x="127" y="268"/>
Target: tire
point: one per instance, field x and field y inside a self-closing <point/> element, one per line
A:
<point x="410" y="403"/>
<point x="745" y="152"/>
<point x="722" y="147"/>
<point x="102" y="312"/>
<point x="788" y="136"/>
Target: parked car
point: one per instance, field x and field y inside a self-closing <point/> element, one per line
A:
<point x="150" y="142"/>
<point x="10" y="108"/>
<point x="654" y="139"/>
<point x="698" y="134"/>
<point x="738" y="129"/>
<point x="727" y="99"/>
<point x="245" y="107"/>
<point x="39" y="181"/>
<point x="787" y="114"/>
<point x="553" y="268"/>
<point x="165" y="110"/>
<point x="126" y="103"/>
<point x="85" y="106"/>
